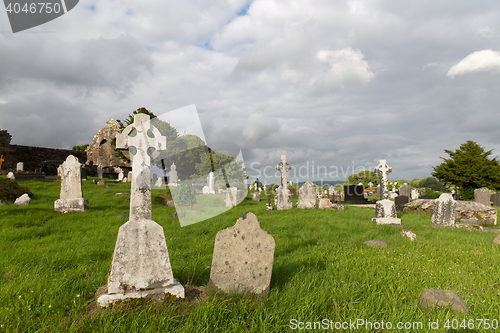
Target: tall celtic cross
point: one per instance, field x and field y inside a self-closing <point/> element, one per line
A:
<point x="1" y="161"/>
<point x="283" y="167"/>
<point x="146" y="136"/>
<point x="383" y="170"/>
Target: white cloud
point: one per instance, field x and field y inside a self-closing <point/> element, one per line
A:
<point x="479" y="61"/>
<point x="259" y="126"/>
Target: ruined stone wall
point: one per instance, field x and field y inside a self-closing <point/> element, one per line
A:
<point x="32" y="156"/>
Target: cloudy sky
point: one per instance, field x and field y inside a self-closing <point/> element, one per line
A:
<point x="334" y="85"/>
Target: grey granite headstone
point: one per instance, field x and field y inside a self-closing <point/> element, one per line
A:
<point x="71" y="198"/>
<point x="141" y="265"/>
<point x="99" y="171"/>
<point x="405" y="190"/>
<point x="496" y="199"/>
<point x="307" y="196"/>
<point x="444" y="210"/>
<point x="243" y="258"/>
<point x="399" y="201"/>
<point x="482" y="195"/>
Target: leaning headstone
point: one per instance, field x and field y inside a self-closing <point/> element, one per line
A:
<point x="22" y="200"/>
<point x="405" y="190"/>
<point x="256" y="196"/>
<point x="482" y="195"/>
<point x="71" y="198"/>
<point x="307" y="196"/>
<point x="11" y="176"/>
<point x="231" y="194"/>
<point x="385" y="209"/>
<point x="20" y="166"/>
<point x="140" y="266"/>
<point x="243" y="258"/>
<point x="431" y="298"/>
<point x="284" y="196"/>
<point x="172" y="179"/>
<point x="99" y="171"/>
<point x="324" y="203"/>
<point x="444" y="210"/>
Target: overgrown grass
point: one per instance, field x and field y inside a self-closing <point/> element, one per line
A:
<point x="52" y="264"/>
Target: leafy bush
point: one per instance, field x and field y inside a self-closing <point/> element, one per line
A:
<point x="185" y="194"/>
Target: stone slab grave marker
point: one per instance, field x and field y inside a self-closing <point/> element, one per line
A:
<point x="20" y="166"/>
<point x="385" y="209"/>
<point x="324" y="203"/>
<point x="414" y="194"/>
<point x="71" y="198"/>
<point x="154" y="178"/>
<point x="100" y="171"/>
<point x="11" y="176"/>
<point x="129" y="176"/>
<point x="354" y="194"/>
<point x="1" y="161"/>
<point x="400" y="201"/>
<point x="204" y="190"/>
<point x="496" y="199"/>
<point x="444" y="210"/>
<point x="307" y="196"/>
<point x="482" y="195"/>
<point x="256" y="196"/>
<point x="405" y="190"/>
<point x="284" y="196"/>
<point x="172" y="179"/>
<point x="243" y="258"/>
<point x="120" y="174"/>
<point x="141" y="265"/>
<point x="211" y="183"/>
<point x="22" y="200"/>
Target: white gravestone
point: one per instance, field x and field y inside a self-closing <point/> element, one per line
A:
<point x="211" y="183"/>
<point x="120" y="174"/>
<point x="22" y="200"/>
<point x="331" y="190"/>
<point x="307" y="196"/>
<point x="160" y="182"/>
<point x="172" y="179"/>
<point x="99" y="171"/>
<point x="414" y="194"/>
<point x="71" y="198"/>
<point x="129" y="176"/>
<point x="11" y="176"/>
<point x="283" y="195"/>
<point x="141" y="265"/>
<point x="444" y="210"/>
<point x="20" y="166"/>
<point x="205" y="189"/>
<point x="385" y="209"/>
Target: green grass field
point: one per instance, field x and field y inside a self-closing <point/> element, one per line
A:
<point x="52" y="264"/>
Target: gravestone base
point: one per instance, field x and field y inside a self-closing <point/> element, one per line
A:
<point x="159" y="293"/>
<point x="71" y="205"/>
<point x="385" y="213"/>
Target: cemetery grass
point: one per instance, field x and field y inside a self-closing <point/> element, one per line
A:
<point x="52" y="264"/>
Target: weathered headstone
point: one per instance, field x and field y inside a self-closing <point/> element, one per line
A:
<point x="172" y="179"/>
<point x="414" y="194"/>
<point x="324" y="203"/>
<point x="211" y="183"/>
<point x="20" y="166"/>
<point x="284" y="196"/>
<point x="154" y="178"/>
<point x="482" y="195"/>
<point x="141" y="265"/>
<point x="22" y="200"/>
<point x="120" y="174"/>
<point x="205" y="190"/>
<point x="160" y="182"/>
<point x="385" y="209"/>
<point x="129" y="176"/>
<point x="307" y="196"/>
<point x="231" y="198"/>
<point x="256" y="196"/>
<point x="496" y="199"/>
<point x="71" y="198"/>
<point x="405" y="190"/>
<point x="99" y="171"/>
<point x="400" y="201"/>
<point x="11" y="176"/>
<point x="444" y="210"/>
<point x="243" y="258"/>
<point x="431" y="298"/>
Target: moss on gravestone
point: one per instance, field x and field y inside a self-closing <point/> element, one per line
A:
<point x="10" y="190"/>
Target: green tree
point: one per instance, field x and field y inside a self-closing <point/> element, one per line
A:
<point x="469" y="168"/>
<point x="364" y="176"/>
<point x="432" y="183"/>
<point x="80" y="148"/>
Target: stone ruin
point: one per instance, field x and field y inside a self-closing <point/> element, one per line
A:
<point x="100" y="151"/>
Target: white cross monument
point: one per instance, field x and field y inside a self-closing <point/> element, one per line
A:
<point x="141" y="265"/>
<point x="385" y="209"/>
